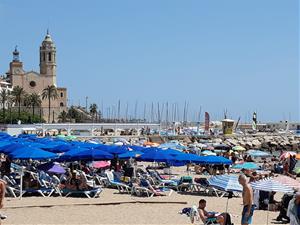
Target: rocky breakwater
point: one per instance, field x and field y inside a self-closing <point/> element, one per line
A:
<point x="267" y="142"/>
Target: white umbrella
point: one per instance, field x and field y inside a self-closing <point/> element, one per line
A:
<point x="270" y="185"/>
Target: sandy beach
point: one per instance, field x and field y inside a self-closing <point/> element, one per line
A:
<point x="156" y="210"/>
<point x="115" y="208"/>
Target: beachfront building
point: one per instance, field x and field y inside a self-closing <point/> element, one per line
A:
<point x="35" y="82"/>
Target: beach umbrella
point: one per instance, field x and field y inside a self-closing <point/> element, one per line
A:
<point x="206" y="152"/>
<point x="130" y="154"/>
<point x="100" y="164"/>
<point x="286" y="155"/>
<point x="137" y="148"/>
<point x="222" y="146"/>
<point x="58" y="148"/>
<point x="25" y="153"/>
<point x="156" y="156"/>
<point x="114" y="149"/>
<point x="188" y="158"/>
<point x="216" y="160"/>
<point x="225" y="183"/>
<point x="257" y="153"/>
<point x="238" y="148"/>
<point x="288" y="181"/>
<point x="52" y="167"/>
<point x="271" y="185"/>
<point x="228" y="183"/>
<point x="11" y="147"/>
<point x="246" y="165"/>
<point x="67" y="155"/>
<point x="91" y="155"/>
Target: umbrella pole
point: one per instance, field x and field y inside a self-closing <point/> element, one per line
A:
<point x="227" y="205"/>
<point x="21" y="183"/>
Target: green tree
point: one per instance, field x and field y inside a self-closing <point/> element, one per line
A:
<point x="4" y="98"/>
<point x="34" y="101"/>
<point x="93" y="110"/>
<point x="63" y="116"/>
<point x="18" y="94"/>
<point x="50" y="93"/>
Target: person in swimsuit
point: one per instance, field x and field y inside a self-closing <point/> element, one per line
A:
<point x="248" y="208"/>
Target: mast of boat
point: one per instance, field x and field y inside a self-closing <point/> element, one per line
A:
<point x="152" y="112"/>
<point x="145" y="107"/>
<point x="119" y="109"/>
<point x="167" y="113"/>
<point x="135" y="110"/>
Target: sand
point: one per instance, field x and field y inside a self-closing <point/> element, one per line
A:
<point x="115" y="208"/>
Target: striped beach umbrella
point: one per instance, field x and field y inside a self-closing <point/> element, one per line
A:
<point x="270" y="185"/>
<point x="225" y="183"/>
<point x="288" y="181"/>
<point x="286" y="155"/>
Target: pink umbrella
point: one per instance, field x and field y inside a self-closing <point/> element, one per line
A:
<point x="288" y="181"/>
<point x="286" y="155"/>
<point x="100" y="164"/>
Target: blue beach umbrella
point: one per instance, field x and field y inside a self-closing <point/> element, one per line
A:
<point x="246" y="165"/>
<point x="67" y="155"/>
<point x="216" y="160"/>
<point x="90" y="155"/>
<point x="156" y="156"/>
<point x="114" y="149"/>
<point x="58" y="148"/>
<point x="11" y="147"/>
<point x="130" y="154"/>
<point x="25" y="153"/>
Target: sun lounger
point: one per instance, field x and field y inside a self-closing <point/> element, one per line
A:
<point x="122" y="187"/>
<point x="93" y="193"/>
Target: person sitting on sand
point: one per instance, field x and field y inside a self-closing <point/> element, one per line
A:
<point x="209" y="216"/>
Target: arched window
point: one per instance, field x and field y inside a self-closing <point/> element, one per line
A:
<point x="44" y="56"/>
<point x="49" y="56"/>
<point x="61" y="104"/>
<point x="61" y="94"/>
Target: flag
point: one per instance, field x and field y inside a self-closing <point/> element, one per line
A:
<point x="206" y="121"/>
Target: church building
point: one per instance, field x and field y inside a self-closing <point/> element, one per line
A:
<point x="35" y="82"/>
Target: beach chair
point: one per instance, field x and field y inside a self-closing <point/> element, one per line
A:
<point x="122" y="187"/>
<point x="201" y="185"/>
<point x="93" y="193"/>
<point x="195" y="217"/>
<point x="12" y="187"/>
<point x="163" y="182"/>
<point x="184" y="183"/>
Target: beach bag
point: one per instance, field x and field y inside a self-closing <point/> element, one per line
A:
<point x="186" y="211"/>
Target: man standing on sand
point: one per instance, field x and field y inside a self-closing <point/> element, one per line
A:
<point x="248" y="209"/>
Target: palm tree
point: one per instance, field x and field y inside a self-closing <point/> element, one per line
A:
<point x="4" y="97"/>
<point x="49" y="93"/>
<point x="93" y="110"/>
<point x="18" y="94"/>
<point x="34" y="101"/>
<point x="63" y="116"/>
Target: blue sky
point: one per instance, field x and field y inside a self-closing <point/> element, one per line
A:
<point x="236" y="55"/>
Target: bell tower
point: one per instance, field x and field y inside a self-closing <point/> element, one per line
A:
<point x="48" y="59"/>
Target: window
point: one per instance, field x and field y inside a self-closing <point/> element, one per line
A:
<point x="44" y="56"/>
<point x="49" y="56"/>
<point x="61" y="94"/>
<point x="61" y="104"/>
<point x="32" y="84"/>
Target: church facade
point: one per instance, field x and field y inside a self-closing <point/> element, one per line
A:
<point x="36" y="82"/>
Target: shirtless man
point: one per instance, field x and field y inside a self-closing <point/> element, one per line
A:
<point x="247" y="201"/>
<point x="204" y="215"/>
